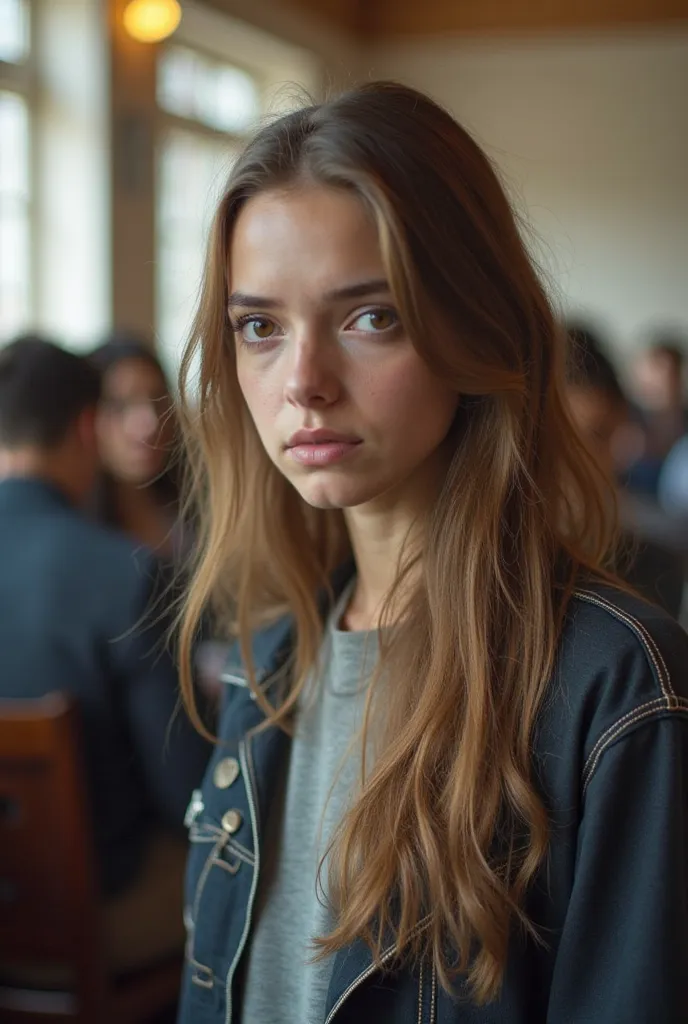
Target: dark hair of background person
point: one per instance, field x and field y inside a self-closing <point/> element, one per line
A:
<point x="589" y="366"/>
<point x="43" y="390"/>
<point x="647" y="565"/>
<point x="117" y="347"/>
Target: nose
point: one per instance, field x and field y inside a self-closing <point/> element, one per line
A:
<point x="143" y="422"/>
<point x="313" y="378"/>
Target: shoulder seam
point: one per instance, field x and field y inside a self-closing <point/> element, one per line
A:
<point x="667" y="702"/>
<point x="653" y="709"/>
<point x="646" y="640"/>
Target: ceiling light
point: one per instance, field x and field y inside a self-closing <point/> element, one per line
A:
<point x="151" y="21"/>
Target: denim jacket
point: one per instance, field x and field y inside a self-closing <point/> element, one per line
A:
<point x="610" y="902"/>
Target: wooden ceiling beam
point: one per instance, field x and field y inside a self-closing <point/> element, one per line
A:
<point x="394" y="18"/>
<point x="346" y="15"/>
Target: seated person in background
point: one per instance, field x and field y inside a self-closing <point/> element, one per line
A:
<point x="659" y="409"/>
<point x="672" y="488"/>
<point x="601" y="411"/>
<point x="138" y="488"/>
<point x="81" y="612"/>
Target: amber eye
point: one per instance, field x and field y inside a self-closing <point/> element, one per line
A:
<point x="375" y="321"/>
<point x="258" y="329"/>
<point x="381" y="319"/>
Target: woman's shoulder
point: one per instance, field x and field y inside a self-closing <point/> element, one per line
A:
<point x="621" y="666"/>
<point x="609" y="628"/>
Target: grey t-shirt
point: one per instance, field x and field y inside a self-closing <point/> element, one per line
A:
<point x="281" y="986"/>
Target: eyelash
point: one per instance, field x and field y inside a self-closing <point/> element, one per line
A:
<point x="240" y="322"/>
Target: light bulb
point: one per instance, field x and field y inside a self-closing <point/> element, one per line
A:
<point x="150" y="21"/>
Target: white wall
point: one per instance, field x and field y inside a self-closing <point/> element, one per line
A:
<point x="592" y="136"/>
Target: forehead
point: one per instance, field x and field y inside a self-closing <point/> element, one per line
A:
<point x="305" y="239"/>
<point x="133" y="376"/>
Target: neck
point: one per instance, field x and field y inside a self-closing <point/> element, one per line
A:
<point x="385" y="533"/>
<point x="378" y="542"/>
<point x="139" y="513"/>
<point x="33" y="464"/>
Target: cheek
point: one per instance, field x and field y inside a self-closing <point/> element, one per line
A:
<point x="262" y="395"/>
<point x="106" y="433"/>
<point x="414" y="403"/>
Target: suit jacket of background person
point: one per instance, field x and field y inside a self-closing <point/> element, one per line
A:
<point x="80" y="611"/>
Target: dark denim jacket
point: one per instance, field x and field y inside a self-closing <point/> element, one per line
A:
<point x="610" y="902"/>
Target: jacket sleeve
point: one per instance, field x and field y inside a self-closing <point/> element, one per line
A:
<point x="623" y="953"/>
<point x="171" y="754"/>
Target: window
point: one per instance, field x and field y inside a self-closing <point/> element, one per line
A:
<point x="14" y="31"/>
<point x="217" y="95"/>
<point x="15" y="259"/>
<point x="15" y="197"/>
<point x="207" y="107"/>
<point x="215" y="81"/>
<point x="191" y="173"/>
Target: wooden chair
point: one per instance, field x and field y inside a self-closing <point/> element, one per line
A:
<point x="49" y="904"/>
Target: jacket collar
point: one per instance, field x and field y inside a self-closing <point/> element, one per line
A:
<point x="271" y="646"/>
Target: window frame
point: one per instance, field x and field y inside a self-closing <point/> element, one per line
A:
<point x="164" y="117"/>
<point x="21" y="78"/>
<point x="165" y="122"/>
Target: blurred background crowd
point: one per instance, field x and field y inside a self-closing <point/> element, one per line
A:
<point x="118" y="123"/>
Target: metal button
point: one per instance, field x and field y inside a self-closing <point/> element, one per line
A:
<point x="231" y="821"/>
<point x="226" y="772"/>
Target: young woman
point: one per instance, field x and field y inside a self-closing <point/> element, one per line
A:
<point x="138" y="490"/>
<point x="451" y="778"/>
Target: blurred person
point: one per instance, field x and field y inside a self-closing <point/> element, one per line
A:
<point x="453" y="761"/>
<point x="660" y="408"/>
<point x="601" y="412"/>
<point x="600" y="406"/>
<point x="138" y="490"/>
<point x="80" y="612"/>
<point x="672" y="487"/>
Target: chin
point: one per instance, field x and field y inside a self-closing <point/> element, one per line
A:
<point x="339" y="494"/>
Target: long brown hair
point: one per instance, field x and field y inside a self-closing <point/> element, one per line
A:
<point x="448" y="827"/>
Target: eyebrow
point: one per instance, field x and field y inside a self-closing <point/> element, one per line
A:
<point x="352" y="291"/>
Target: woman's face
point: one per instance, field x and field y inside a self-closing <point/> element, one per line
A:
<point x="133" y="421"/>
<point x="344" y="405"/>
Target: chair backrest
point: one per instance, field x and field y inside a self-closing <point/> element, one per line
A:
<point x="49" y="910"/>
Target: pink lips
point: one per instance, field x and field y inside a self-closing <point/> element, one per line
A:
<point x="320" y="447"/>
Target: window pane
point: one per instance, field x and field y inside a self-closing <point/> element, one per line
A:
<point x="15" y="228"/>
<point x="192" y="171"/>
<point x="195" y="86"/>
<point x="14" y="30"/>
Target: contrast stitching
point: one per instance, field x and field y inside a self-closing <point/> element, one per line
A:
<point x="681" y="704"/>
<point x="198" y="840"/>
<point x="215" y="835"/>
<point x="385" y="956"/>
<point x="646" y="639"/>
<point x="226" y="866"/>
<point x="433" y="998"/>
<point x="202" y="879"/>
<point x="195" y="980"/>
<point x="241" y="852"/>
<point x="420" y="994"/>
<point x="246" y="761"/>
<point x="631" y="721"/>
<point x="652" y="703"/>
